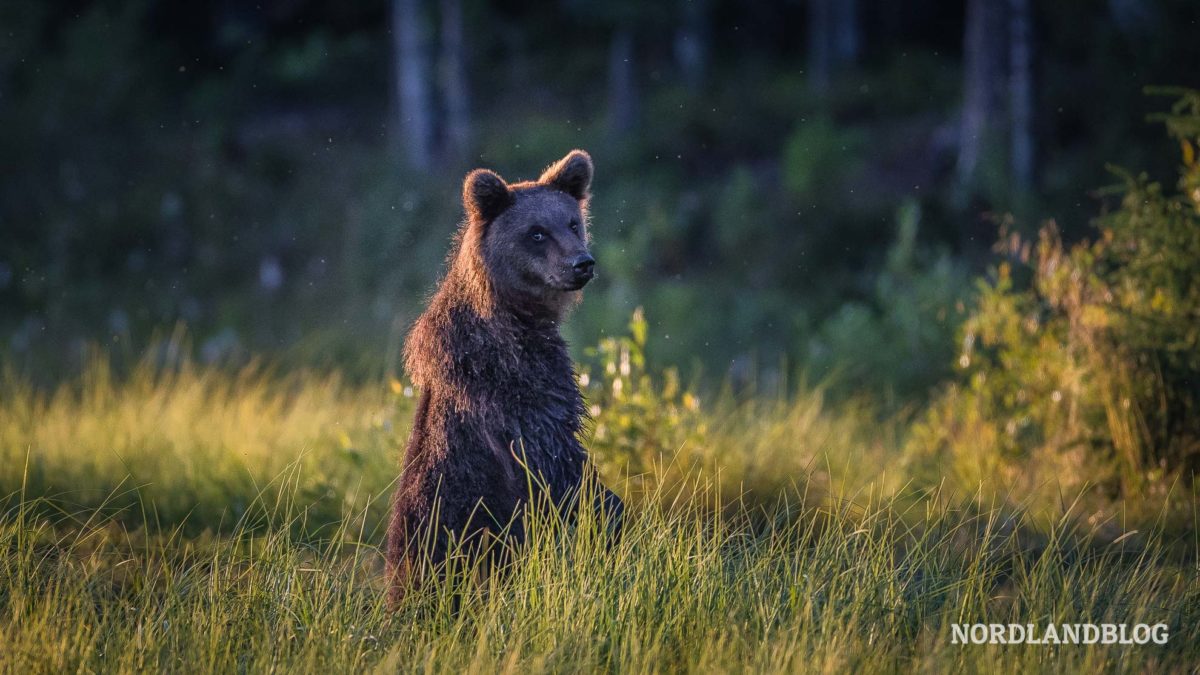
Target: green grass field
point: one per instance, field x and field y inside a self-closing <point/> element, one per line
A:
<point x="202" y="520"/>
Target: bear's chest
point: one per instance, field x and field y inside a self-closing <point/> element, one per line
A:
<point x="537" y="422"/>
<point x="542" y="419"/>
<point x="517" y="404"/>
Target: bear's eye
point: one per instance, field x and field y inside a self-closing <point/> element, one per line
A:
<point x="537" y="235"/>
<point x="574" y="226"/>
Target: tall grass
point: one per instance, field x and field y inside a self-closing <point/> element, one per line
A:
<point x="859" y="586"/>
<point x="199" y="446"/>
<point x="190" y="519"/>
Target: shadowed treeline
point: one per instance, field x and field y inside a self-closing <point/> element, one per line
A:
<point x="784" y="187"/>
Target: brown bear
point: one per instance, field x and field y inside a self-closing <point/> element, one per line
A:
<point x="499" y="411"/>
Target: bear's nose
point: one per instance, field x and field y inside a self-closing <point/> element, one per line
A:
<point x="584" y="265"/>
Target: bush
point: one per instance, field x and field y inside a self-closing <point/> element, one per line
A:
<point x="637" y="424"/>
<point x="1094" y="364"/>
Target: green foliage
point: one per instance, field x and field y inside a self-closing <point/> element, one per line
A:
<point x="637" y="424"/>
<point x="743" y="219"/>
<point x="163" y="154"/>
<point x="816" y="156"/>
<point x="901" y="341"/>
<point x="1094" y="365"/>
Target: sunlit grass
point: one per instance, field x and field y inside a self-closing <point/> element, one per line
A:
<point x="195" y="519"/>
<point x="197" y="446"/>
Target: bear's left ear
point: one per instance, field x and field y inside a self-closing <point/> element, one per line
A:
<point x="571" y="174"/>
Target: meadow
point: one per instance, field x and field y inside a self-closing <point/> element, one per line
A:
<point x="174" y="517"/>
<point x="851" y="421"/>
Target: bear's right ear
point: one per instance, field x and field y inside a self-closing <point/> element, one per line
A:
<point x="485" y="195"/>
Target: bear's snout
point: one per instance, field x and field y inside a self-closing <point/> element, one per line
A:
<point x="583" y="267"/>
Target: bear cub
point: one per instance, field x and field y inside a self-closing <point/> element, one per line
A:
<point x="500" y="410"/>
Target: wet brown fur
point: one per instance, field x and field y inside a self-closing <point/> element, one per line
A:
<point x="498" y="392"/>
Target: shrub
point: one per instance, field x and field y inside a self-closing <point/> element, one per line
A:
<point x="1096" y="359"/>
<point x="637" y="424"/>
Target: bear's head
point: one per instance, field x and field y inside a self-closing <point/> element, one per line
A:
<point x="532" y="237"/>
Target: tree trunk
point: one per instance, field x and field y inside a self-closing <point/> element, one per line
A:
<point x="691" y="43"/>
<point x="1020" y="58"/>
<point x="622" y="86"/>
<point x="453" y="73"/>
<point x="820" y="60"/>
<point x="832" y="39"/>
<point x="845" y="33"/>
<point x="981" y="70"/>
<point x="413" y="118"/>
